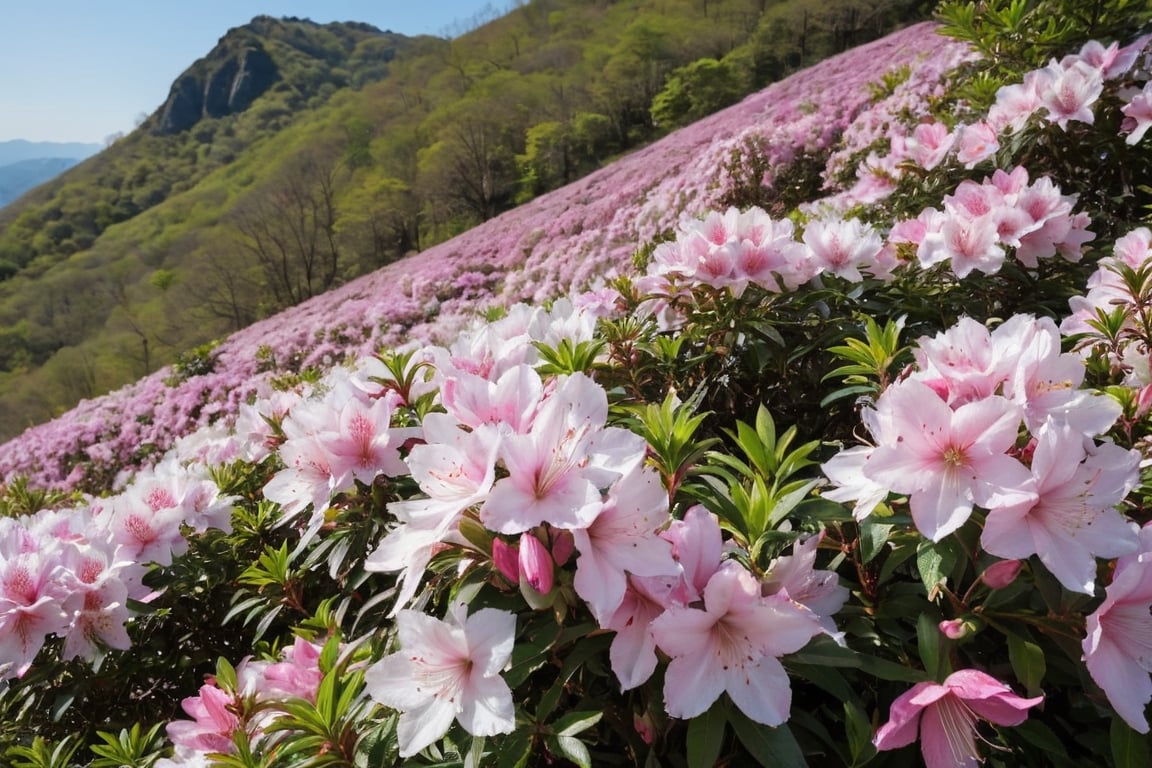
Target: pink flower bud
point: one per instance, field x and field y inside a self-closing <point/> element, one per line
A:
<point x="1001" y="574"/>
<point x="563" y="545"/>
<point x="506" y="559"/>
<point x="535" y="563"/>
<point x="645" y="727"/>
<point x="953" y="629"/>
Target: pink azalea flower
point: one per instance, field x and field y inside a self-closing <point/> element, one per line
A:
<point x="556" y="471"/>
<point x="967" y="243"/>
<point x="455" y="469"/>
<point x="144" y="533"/>
<point x="511" y="400"/>
<point x="622" y="539"/>
<point x="1138" y="112"/>
<point x="961" y="363"/>
<point x="945" y="716"/>
<point x="1072" y="519"/>
<point x="1016" y="103"/>
<point x="30" y="609"/>
<point x="444" y="671"/>
<point x="732" y="646"/>
<point x="947" y="460"/>
<point x="633" y="651"/>
<point x="929" y="144"/>
<point x="698" y="546"/>
<point x="1112" y="61"/>
<point x="1045" y="381"/>
<point x="846" y="471"/>
<point x="97" y="602"/>
<point x="795" y="575"/>
<point x="843" y="247"/>
<point x="1118" y="646"/>
<point x="331" y="443"/>
<point x="298" y="674"/>
<point x="1068" y="93"/>
<point x="212" y="725"/>
<point x="977" y="142"/>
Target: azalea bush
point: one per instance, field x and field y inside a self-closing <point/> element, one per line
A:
<point x="844" y="476"/>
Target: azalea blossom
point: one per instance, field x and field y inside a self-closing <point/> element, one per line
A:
<point x="455" y="469"/>
<point x="623" y="539"/>
<point x="212" y="725"/>
<point x="947" y="460"/>
<point x="444" y="671"/>
<point x="1118" y="645"/>
<point x="1072" y="518"/>
<point x="945" y="716"/>
<point x="31" y="608"/>
<point x="1068" y="92"/>
<point x="557" y="470"/>
<point x="845" y="248"/>
<point x="732" y="645"/>
<point x="1138" y="112"/>
<point x="796" y="576"/>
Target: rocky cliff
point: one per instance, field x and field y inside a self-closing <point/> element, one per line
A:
<point x="249" y="60"/>
<point x="229" y="84"/>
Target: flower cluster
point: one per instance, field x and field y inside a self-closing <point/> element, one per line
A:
<point x="71" y="572"/>
<point x="575" y="530"/>
<point x="980" y="221"/>
<point x="248" y="703"/>
<point x="949" y="437"/>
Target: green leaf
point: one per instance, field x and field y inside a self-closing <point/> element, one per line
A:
<point x="225" y="675"/>
<point x="515" y="751"/>
<point x="873" y="538"/>
<point x="771" y="747"/>
<point x="843" y="392"/>
<point x="1041" y="736"/>
<point x="1129" y="748"/>
<point x="858" y="729"/>
<point x="576" y="722"/>
<point x="929" y="642"/>
<point x="1027" y="663"/>
<point x="706" y="736"/>
<point x="571" y="748"/>
<point x="935" y="561"/>
<point x="825" y="651"/>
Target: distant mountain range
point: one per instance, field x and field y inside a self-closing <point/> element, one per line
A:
<point x="27" y="164"/>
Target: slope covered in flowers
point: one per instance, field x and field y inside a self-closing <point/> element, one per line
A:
<point x="570" y="238"/>
<point x="857" y="477"/>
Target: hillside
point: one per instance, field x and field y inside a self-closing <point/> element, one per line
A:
<point x="570" y="238"/>
<point x="365" y="147"/>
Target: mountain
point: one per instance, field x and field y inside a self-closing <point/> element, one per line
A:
<point x="295" y="157"/>
<point x="15" y="150"/>
<point x="26" y="164"/>
<point x="19" y="177"/>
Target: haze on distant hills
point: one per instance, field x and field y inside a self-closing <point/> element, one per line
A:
<point x="296" y="156"/>
<point x="26" y="164"/>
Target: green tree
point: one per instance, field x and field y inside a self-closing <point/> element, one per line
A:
<point x="694" y="91"/>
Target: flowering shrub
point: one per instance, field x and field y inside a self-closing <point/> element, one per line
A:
<point x="849" y="485"/>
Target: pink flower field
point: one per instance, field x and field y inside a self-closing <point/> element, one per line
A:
<point x="570" y="239"/>
<point x="818" y="433"/>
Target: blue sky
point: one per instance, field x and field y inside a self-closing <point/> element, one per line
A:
<point x="81" y="70"/>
